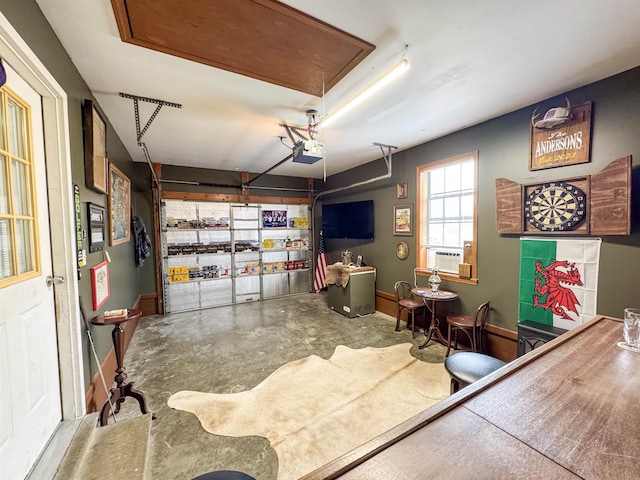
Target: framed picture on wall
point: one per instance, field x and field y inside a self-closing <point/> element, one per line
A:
<point x="95" y="148"/>
<point x="403" y="220"/>
<point x="100" y="289"/>
<point x="96" y="215"/>
<point x="119" y="206"/>
<point x="402" y="190"/>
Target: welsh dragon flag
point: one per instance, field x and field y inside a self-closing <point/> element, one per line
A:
<point x="558" y="281"/>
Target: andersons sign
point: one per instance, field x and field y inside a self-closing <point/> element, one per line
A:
<point x="561" y="137"/>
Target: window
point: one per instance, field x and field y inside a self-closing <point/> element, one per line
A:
<point x="18" y="258"/>
<point x="447" y="217"/>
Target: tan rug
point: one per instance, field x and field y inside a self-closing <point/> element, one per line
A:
<point x="314" y="410"/>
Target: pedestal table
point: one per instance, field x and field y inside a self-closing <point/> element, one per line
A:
<point x="433" y="297"/>
<point x="120" y="391"/>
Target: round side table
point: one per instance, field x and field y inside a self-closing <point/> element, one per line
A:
<point x="120" y="391"/>
<point x="437" y="296"/>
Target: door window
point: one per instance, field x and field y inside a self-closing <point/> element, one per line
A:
<point x="18" y="252"/>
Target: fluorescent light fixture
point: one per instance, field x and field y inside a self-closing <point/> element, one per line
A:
<point x="385" y="79"/>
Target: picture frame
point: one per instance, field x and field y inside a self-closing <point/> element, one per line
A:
<point x="96" y="216"/>
<point x="403" y="220"/>
<point x="119" y="206"/>
<point x="100" y="287"/>
<point x="402" y="190"/>
<point x="95" y="148"/>
<point x="402" y="250"/>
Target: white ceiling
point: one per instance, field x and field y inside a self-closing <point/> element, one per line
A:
<point x="470" y="61"/>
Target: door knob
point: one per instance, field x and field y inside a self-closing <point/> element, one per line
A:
<point x="54" y="280"/>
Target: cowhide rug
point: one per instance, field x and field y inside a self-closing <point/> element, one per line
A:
<point x="314" y="410"/>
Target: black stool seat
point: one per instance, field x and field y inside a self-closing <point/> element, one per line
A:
<point x="464" y="368"/>
<point x="224" y="475"/>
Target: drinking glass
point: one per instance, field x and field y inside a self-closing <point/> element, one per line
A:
<point x="632" y="327"/>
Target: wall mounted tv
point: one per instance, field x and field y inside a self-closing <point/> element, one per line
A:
<point x="348" y="220"/>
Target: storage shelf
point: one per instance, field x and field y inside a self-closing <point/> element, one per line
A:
<point x="287" y="271"/>
<point x="245" y="228"/>
<point x="266" y="229"/>
<point x="274" y="250"/>
<point x="199" y="280"/>
<point x="205" y="229"/>
<point x="182" y="255"/>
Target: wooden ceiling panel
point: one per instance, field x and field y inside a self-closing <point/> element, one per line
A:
<point x="262" y="39"/>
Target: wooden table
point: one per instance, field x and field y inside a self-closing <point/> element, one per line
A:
<point x="568" y="409"/>
<point x="120" y="391"/>
<point x="437" y="296"/>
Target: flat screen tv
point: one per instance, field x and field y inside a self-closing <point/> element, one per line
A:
<point x="348" y="220"/>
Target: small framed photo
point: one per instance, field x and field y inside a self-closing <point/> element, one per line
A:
<point x="100" y="289"/>
<point x="402" y="190"/>
<point x="403" y="220"/>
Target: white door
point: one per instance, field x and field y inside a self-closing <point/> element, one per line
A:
<point x="30" y="402"/>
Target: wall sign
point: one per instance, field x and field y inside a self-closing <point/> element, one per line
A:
<point x="562" y="137"/>
<point x="274" y="218"/>
<point x="79" y="237"/>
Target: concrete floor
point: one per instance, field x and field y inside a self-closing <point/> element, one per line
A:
<point x="232" y="349"/>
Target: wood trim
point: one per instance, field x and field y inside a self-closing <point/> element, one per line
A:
<point x="421" y="253"/>
<point x="232" y="198"/>
<point x="95" y="396"/>
<point x="501" y="342"/>
<point x="149" y="304"/>
<point x="156" y="190"/>
<point x="610" y="204"/>
<point x="262" y="39"/>
<point x="310" y="187"/>
<point x="244" y="180"/>
<point x="386" y="303"/>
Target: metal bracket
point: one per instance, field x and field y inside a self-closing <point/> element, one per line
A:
<point x="388" y="156"/>
<point x="140" y="133"/>
<point x="291" y="129"/>
<point x="159" y="103"/>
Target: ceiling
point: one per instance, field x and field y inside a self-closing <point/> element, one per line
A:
<point x="469" y="62"/>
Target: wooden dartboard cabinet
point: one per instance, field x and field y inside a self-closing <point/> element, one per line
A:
<point x="608" y="203"/>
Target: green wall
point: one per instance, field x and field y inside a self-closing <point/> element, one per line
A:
<point x="127" y="281"/>
<point x="503" y="150"/>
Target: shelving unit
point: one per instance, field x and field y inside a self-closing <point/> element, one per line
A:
<point x="218" y="253"/>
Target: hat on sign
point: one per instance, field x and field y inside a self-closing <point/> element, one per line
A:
<point x="554" y="117"/>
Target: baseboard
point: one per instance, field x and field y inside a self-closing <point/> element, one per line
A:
<point x="149" y="304"/>
<point x="386" y="303"/>
<point x="500" y="342"/>
<point x="96" y="395"/>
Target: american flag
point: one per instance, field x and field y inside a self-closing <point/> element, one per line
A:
<point x="320" y="277"/>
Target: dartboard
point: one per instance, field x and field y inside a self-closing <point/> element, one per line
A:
<point x="555" y="206"/>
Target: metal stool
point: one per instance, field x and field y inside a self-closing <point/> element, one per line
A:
<point x="464" y="368"/>
<point x="224" y="475"/>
